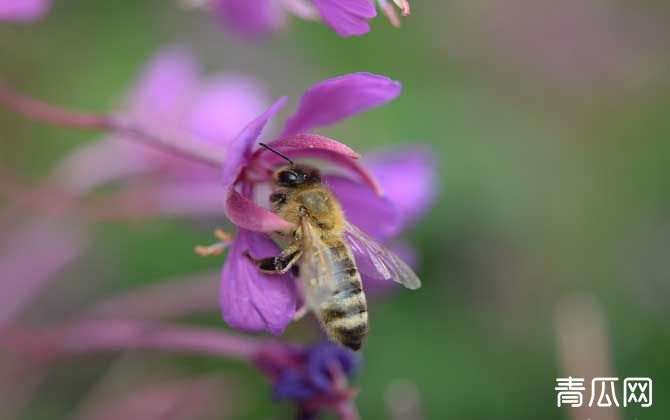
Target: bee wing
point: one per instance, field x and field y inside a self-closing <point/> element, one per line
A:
<point x="317" y="267"/>
<point x="385" y="261"/>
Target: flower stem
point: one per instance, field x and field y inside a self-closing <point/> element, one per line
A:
<point x="115" y="335"/>
<point x="41" y="111"/>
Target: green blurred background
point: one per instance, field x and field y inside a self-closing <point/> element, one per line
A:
<point x="551" y="128"/>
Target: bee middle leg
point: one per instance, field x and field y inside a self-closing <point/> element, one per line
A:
<point x="279" y="264"/>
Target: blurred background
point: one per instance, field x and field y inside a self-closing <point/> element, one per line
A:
<point x="544" y="256"/>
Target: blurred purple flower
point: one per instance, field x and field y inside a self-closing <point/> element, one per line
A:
<point x="347" y="18"/>
<point x="23" y="10"/>
<point x="408" y="178"/>
<point x="170" y="98"/>
<point x="249" y="17"/>
<point x="315" y="378"/>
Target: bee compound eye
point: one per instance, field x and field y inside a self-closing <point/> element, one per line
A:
<point x="288" y="177"/>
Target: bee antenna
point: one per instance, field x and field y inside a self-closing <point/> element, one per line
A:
<point x="276" y="152"/>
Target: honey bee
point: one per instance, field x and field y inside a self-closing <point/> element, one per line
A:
<point x="319" y="251"/>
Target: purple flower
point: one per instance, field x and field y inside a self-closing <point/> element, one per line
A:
<point x="346" y="17"/>
<point x="249" y="17"/>
<point x="23" y="10"/>
<point x="170" y="99"/>
<point x="247" y="169"/>
<point x="315" y="378"/>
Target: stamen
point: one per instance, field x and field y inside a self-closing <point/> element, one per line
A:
<point x="390" y="13"/>
<point x="217" y="248"/>
<point x="301" y="9"/>
<point x="403" y="5"/>
<point x="223" y="236"/>
<point x="194" y="4"/>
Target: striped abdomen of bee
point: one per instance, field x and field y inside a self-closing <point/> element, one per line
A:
<point x="344" y="315"/>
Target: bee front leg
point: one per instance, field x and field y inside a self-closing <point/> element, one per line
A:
<point x="280" y="264"/>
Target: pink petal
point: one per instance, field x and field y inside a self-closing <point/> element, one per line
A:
<point x="319" y="147"/>
<point x="408" y="178"/>
<point x="240" y="149"/>
<point x="249" y="17"/>
<point x="224" y="106"/>
<point x="336" y="99"/>
<point x="375" y="215"/>
<point x="311" y="141"/>
<point x="90" y="166"/>
<point x="186" y="199"/>
<point x="161" y="97"/>
<point x="346" y="17"/>
<point x="23" y="10"/>
<point x="246" y="214"/>
<point x="252" y="301"/>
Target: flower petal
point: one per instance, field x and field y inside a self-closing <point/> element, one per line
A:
<point x="375" y="215"/>
<point x="250" y="300"/>
<point x="346" y="17"/>
<point x="408" y="178"/>
<point x="240" y="149"/>
<point x="292" y="386"/>
<point x="162" y="94"/>
<point x="92" y="165"/>
<point x="246" y="214"/>
<point x="322" y="148"/>
<point x="185" y="199"/>
<point x="249" y="17"/>
<point x="339" y="98"/>
<point x="320" y="361"/>
<point x="311" y="141"/>
<point x="224" y="106"/>
<point x="23" y="10"/>
<point x="239" y="209"/>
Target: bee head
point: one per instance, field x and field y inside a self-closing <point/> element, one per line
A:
<point x="292" y="176"/>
